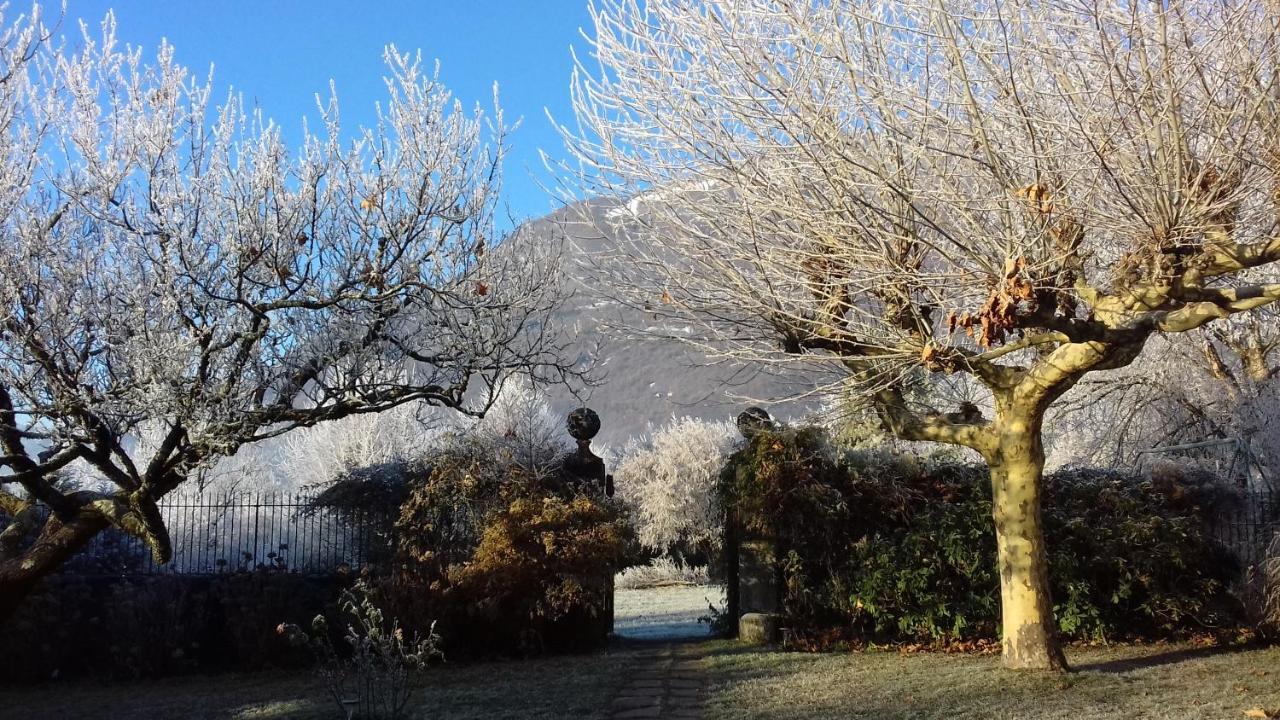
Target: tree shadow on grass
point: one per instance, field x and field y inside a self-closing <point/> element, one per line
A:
<point x="1168" y="657"/>
<point x="741" y="662"/>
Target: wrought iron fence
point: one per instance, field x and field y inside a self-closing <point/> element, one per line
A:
<point x="243" y="532"/>
<point x="1249" y="525"/>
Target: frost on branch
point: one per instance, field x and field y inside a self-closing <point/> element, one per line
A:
<point x="171" y="263"/>
<point x="670" y="484"/>
<point x="1022" y="193"/>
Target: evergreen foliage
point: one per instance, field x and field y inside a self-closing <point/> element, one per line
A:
<point x="885" y="548"/>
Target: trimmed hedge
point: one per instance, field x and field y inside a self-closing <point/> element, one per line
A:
<point x="882" y="548"/>
<point x="131" y="628"/>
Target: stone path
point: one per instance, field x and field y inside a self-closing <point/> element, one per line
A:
<point x="669" y="683"/>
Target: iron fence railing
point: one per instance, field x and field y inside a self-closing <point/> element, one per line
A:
<point x="1249" y="525"/>
<point x="240" y="532"/>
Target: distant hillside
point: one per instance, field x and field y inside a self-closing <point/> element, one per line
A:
<point x="644" y="381"/>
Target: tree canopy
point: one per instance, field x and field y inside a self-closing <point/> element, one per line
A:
<point x="1018" y="192"/>
<point x="176" y="280"/>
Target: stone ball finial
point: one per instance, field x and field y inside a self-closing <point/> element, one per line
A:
<point x="583" y="423"/>
<point x="753" y="420"/>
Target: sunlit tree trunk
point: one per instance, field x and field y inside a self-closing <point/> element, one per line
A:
<point x="1017" y="469"/>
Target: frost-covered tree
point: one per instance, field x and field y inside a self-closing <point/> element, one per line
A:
<point x="1021" y="191"/>
<point x="522" y="428"/>
<point x="1216" y="385"/>
<point x="168" y="261"/>
<point x="322" y="453"/>
<point x="669" y="481"/>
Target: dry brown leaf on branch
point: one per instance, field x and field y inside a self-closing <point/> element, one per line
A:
<point x="999" y="314"/>
<point x="1037" y="196"/>
<point x="927" y="355"/>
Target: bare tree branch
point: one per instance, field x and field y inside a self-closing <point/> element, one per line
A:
<point x="173" y="271"/>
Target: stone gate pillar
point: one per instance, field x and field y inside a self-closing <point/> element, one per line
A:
<point x="583" y="466"/>
<point x="753" y="572"/>
<point x="587" y="471"/>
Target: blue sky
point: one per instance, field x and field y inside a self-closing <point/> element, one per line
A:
<point x="280" y="53"/>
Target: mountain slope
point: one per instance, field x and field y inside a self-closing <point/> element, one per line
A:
<point x="643" y="381"/>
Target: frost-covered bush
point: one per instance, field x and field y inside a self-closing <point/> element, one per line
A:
<point x="661" y="572"/>
<point x="669" y="483"/>
<point x="521" y="428"/>
<point x="1219" y="386"/>
<point x="519" y="423"/>
<point x="322" y="453"/>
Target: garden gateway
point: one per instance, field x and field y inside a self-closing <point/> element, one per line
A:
<point x="880" y="358"/>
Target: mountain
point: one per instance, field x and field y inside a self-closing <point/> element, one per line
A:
<point x="643" y="381"/>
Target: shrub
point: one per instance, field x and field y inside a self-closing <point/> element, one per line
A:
<point x="375" y="671"/>
<point x="661" y="572"/>
<point x="1134" y="557"/>
<point x="542" y="560"/>
<point x="1262" y="591"/>
<point x="144" y="627"/>
<point x="669" y="483"/>
<point x="879" y="547"/>
<point x="155" y="627"/>
<point x="507" y="556"/>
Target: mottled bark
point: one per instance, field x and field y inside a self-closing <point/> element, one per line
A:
<point x="1029" y="639"/>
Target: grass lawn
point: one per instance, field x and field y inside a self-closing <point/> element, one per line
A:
<point x="560" y="687"/>
<point x="1120" y="682"/>
<point x="665" y="612"/>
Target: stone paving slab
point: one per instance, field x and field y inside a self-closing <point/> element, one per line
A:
<point x="669" y="683"/>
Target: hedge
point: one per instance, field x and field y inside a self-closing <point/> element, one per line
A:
<point x="885" y="548"/>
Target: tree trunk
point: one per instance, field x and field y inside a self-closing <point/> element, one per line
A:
<point x="58" y="541"/>
<point x="1030" y="639"/>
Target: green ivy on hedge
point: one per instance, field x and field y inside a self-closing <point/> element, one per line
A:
<point x="886" y="548"/>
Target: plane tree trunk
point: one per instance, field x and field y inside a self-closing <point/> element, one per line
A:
<point x="1029" y="636"/>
